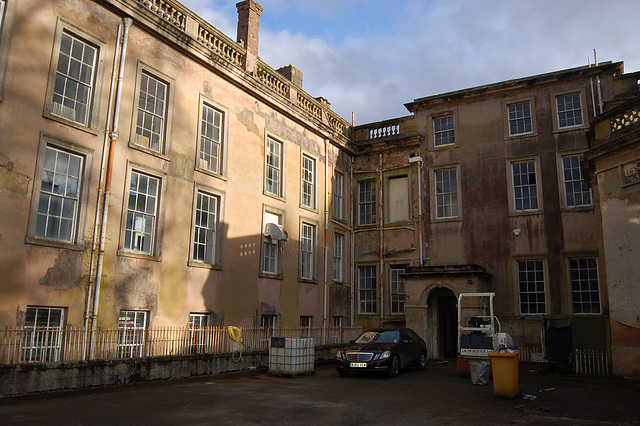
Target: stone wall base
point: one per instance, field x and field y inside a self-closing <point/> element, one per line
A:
<point x="626" y="361"/>
<point x="32" y="378"/>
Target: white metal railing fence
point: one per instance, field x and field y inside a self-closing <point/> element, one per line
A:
<point x="592" y="363"/>
<point x="65" y="344"/>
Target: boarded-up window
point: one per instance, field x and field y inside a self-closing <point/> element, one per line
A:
<point x="398" y="199"/>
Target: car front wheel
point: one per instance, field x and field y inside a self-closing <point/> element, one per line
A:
<point x="422" y="362"/>
<point x="394" y="369"/>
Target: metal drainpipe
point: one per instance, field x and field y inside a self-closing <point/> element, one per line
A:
<point x="420" y="210"/>
<point x="354" y="219"/>
<point x="352" y="266"/>
<point x="87" y="309"/>
<point x="326" y="237"/>
<point x="381" y="222"/>
<point x="600" y="103"/>
<point x="113" y="136"/>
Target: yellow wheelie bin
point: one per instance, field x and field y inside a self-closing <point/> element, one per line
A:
<point x="505" y="373"/>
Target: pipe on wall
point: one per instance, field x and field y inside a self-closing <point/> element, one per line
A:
<point x="381" y="224"/>
<point x="352" y="267"/>
<point x="419" y="161"/>
<point x="112" y="86"/>
<point x="113" y="136"/>
<point x="326" y="237"/>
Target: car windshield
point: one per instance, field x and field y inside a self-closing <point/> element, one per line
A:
<point x="379" y="337"/>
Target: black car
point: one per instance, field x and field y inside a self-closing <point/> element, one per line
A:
<point x="384" y="350"/>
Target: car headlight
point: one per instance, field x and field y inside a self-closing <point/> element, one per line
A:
<point x="340" y="355"/>
<point x="385" y="355"/>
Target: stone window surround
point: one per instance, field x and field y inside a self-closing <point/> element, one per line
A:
<point x="510" y="188"/>
<point x="224" y="136"/>
<point x="280" y="248"/>
<point x="583" y="105"/>
<point x="432" y="194"/>
<point x="156" y="254"/>
<point x="518" y="99"/>
<point x="83" y="199"/>
<point x="220" y="195"/>
<point x="94" y="104"/>
<point x="169" y="110"/>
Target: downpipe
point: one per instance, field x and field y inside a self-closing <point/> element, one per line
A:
<point x="112" y="87"/>
<point x="113" y="136"/>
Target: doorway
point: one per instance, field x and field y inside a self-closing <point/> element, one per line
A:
<point x="444" y="316"/>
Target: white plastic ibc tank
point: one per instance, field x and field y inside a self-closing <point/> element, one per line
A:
<point x="291" y="355"/>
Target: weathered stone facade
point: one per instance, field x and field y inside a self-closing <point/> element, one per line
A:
<point x="146" y="91"/>
<point x="478" y="234"/>
<point x="154" y="170"/>
<point x="614" y="167"/>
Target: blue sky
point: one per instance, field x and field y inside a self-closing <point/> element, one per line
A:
<point x="373" y="56"/>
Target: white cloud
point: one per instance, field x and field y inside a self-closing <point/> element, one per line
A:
<point x="219" y="13"/>
<point x="411" y="49"/>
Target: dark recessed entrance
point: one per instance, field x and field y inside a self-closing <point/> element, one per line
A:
<point x="443" y="302"/>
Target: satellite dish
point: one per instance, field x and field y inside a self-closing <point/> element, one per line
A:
<point x="276" y="232"/>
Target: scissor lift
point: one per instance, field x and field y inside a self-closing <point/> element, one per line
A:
<point x="479" y="330"/>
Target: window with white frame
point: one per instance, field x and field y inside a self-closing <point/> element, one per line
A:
<point x="336" y="324"/>
<point x="338" y="256"/>
<point x="531" y="286"/>
<point x="519" y="116"/>
<point x="74" y="85"/>
<point x="59" y="198"/>
<point x="132" y="327"/>
<point x="308" y="182"/>
<point x="307" y="250"/>
<point x="585" y="285"/>
<point x="268" y="321"/>
<point x="151" y="112"/>
<point x="444" y="131"/>
<point x="211" y="135"/>
<point x="446" y="193"/>
<point x="142" y="212"/>
<point x="205" y="226"/>
<point x="43" y="334"/>
<point x="273" y="168"/>
<point x="569" y="109"/>
<point x="305" y="321"/>
<point x="305" y="325"/>
<point x="525" y="186"/>
<point x="366" y="202"/>
<point x="336" y="321"/>
<point x="271" y="247"/>
<point x="338" y="195"/>
<point x="197" y="320"/>
<point x="367" y="289"/>
<point x="576" y="191"/>
<point x="398" y="294"/>
<point x="197" y="335"/>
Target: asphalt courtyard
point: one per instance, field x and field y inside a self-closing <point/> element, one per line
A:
<point x="434" y="396"/>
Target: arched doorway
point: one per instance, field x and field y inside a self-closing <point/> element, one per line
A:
<point x="443" y="320"/>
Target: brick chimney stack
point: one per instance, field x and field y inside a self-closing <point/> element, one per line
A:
<point x="292" y="74"/>
<point x="249" y="12"/>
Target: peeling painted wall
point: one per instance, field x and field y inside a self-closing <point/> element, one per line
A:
<point x="167" y="284"/>
<point x="487" y="232"/>
<point x="620" y="209"/>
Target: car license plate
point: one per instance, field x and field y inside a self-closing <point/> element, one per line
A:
<point x="358" y="364"/>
